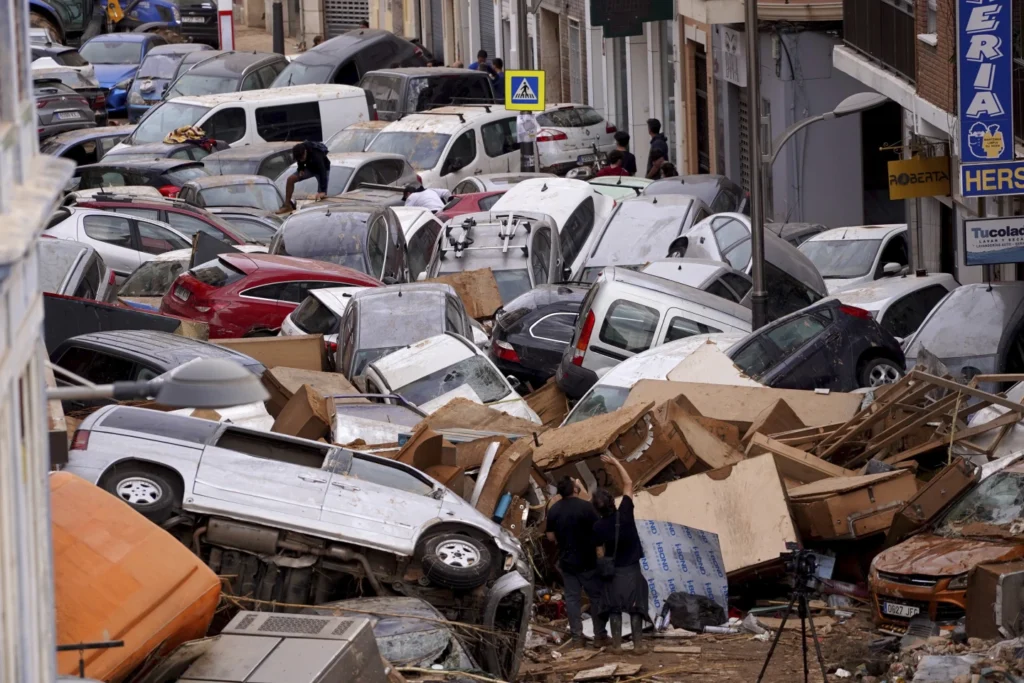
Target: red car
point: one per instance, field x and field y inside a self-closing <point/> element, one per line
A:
<point x="473" y="202"/>
<point x="186" y="219"/>
<point x="249" y="295"/>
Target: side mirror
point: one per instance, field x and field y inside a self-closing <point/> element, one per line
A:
<point x="422" y="277"/>
<point x="514" y="382"/>
<point x="891" y="268"/>
<point x="678" y="247"/>
<point x="566" y="273"/>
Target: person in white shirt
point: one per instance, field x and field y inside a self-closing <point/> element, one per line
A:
<point x="426" y="198"/>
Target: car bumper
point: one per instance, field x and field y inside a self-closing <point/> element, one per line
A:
<point x="520" y="371"/>
<point x="573" y="380"/>
<point x="117" y="102"/>
<point x="938" y="603"/>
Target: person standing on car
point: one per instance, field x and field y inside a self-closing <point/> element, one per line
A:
<point x="312" y="162"/>
<point x="622" y="145"/>
<point x="570" y="524"/>
<point x="659" y="143"/>
<point x="614" y="167"/>
<point x="617" y="539"/>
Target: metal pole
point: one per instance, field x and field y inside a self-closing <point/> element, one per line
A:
<point x="759" y="296"/>
<point x="278" y="27"/>
<point x="522" y="35"/>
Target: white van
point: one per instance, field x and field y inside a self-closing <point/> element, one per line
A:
<point x="448" y="144"/>
<point x="299" y="112"/>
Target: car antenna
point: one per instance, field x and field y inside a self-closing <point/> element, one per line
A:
<point x="655" y="201"/>
<point x="545" y="188"/>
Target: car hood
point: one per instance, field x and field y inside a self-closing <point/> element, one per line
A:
<point x="834" y="285"/>
<point x="110" y="75"/>
<point x="932" y="555"/>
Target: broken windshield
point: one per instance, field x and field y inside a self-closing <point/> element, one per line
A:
<point x="995" y="508"/>
<point x="842" y="258"/>
<point x="152" y="279"/>
<point x="475" y="371"/>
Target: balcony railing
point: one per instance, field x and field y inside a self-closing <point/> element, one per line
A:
<point x="884" y="31"/>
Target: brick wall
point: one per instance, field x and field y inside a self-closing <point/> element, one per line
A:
<point x="936" y="66"/>
<point x="566" y="9"/>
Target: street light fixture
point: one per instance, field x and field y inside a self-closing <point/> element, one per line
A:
<point x="854" y="104"/>
<point x="202" y="383"/>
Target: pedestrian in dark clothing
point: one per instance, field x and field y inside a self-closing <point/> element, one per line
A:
<point x="614" y="166"/>
<point x="622" y="144"/>
<point x="481" y="65"/>
<point x="570" y="523"/>
<point x="626" y="591"/>
<point x="655" y="164"/>
<point x="658" y="142"/>
<point x="499" y="81"/>
<point x="311" y="159"/>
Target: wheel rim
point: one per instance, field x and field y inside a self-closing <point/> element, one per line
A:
<point x="139" y="491"/>
<point x="458" y="554"/>
<point x="883" y="374"/>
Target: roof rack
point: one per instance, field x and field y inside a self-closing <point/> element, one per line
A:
<point x="462" y="119"/>
<point x="459" y="240"/>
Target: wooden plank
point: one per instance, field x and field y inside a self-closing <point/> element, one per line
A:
<point x="704" y="445"/>
<point x="678" y="649"/>
<point x="778" y="417"/>
<point x="795" y="463"/>
<point x="994" y="399"/>
<point x="863" y="419"/>
<point x="1002" y="420"/>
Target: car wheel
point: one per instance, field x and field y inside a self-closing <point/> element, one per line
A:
<point x="151" y="491"/>
<point x="879" y="371"/>
<point x="456" y="562"/>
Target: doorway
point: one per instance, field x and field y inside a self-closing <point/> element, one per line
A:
<point x="551" y="55"/>
<point x="881" y="127"/>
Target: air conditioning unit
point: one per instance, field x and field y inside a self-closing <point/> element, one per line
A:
<point x="262" y="647"/>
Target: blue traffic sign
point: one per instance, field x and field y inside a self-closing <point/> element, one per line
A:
<point x="524" y="90"/>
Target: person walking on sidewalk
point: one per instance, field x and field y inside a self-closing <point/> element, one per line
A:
<point x="570" y="524"/>
<point x="659" y="143"/>
<point x="617" y="539"/>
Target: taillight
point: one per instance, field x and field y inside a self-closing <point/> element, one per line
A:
<point x="80" y="441"/>
<point x="855" y="312"/>
<point x="609" y="128"/>
<point x="584" y="340"/>
<point x="551" y="136"/>
<point x="504" y="351"/>
<point x="112" y="279"/>
<point x="41" y="102"/>
<point x="100" y="102"/>
<point x="169" y="190"/>
<point x="418" y="179"/>
<point x="332" y="347"/>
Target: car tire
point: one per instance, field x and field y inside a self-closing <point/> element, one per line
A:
<point x="878" y="372"/>
<point x="456" y="562"/>
<point x="150" y="490"/>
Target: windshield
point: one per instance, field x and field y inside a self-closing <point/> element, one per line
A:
<point x="423" y="150"/>
<point x="512" y="283"/>
<point x="69" y="58"/>
<point x="298" y="73"/>
<point x="995" y="508"/>
<point x="164" y="118"/>
<point x="842" y="258"/>
<point x="475" y="372"/>
<point x="152" y="279"/>
<point x="398" y="322"/>
<point x="159" y="66"/>
<point x="253" y="229"/>
<point x="197" y="84"/>
<point x="601" y="400"/>
<point x="249" y="194"/>
<point x="312" y="317"/>
<point x="351" y="140"/>
<point x="337" y="181"/>
<point x="639" y="232"/>
<point x="111" y="52"/>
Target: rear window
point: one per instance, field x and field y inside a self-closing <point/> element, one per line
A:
<point x="436" y="91"/>
<point x="156" y="423"/>
<point x="312" y="317"/>
<point x="251" y="195"/>
<point x="70" y="58"/>
<point x="560" y="118"/>
<point x="153" y="278"/>
<point x="180" y="176"/>
<point x="629" y="326"/>
<point x="216" y="273"/>
<point x="300" y="121"/>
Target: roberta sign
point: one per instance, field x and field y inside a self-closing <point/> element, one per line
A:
<point x="988" y="241"/>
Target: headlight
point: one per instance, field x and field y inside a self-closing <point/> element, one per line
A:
<point x="958" y="583"/>
<point x="134" y="97"/>
<point x="123" y="85"/>
<point x="176" y="14"/>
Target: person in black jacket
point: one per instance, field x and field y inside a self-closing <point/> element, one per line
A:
<point x="311" y="159"/>
<point x="658" y="143"/>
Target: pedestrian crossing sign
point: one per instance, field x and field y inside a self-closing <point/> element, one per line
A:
<point x="524" y="90"/>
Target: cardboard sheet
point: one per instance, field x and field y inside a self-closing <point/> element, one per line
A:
<point x="464" y="414"/>
<point x="306" y="352"/>
<point x="282" y="382"/>
<point x="477" y="289"/>
<point x="709" y="365"/>
<point x="744" y="504"/>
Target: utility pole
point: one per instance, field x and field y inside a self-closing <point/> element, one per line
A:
<point x="759" y="296"/>
<point x="522" y="35"/>
<point x="278" y="27"/>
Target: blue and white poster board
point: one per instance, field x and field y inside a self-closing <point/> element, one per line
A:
<point x="679" y="559"/>
<point x="988" y="241"/>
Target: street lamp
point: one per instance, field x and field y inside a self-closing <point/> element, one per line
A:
<point x="854" y="104"/>
<point x="202" y="383"/>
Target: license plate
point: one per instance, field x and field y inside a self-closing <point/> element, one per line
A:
<point x="896" y="610"/>
<point x="193" y="20"/>
<point x="68" y="115"/>
<point x="586" y="158"/>
<point x="182" y="293"/>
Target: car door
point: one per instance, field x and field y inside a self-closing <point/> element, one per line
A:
<point x="543" y="257"/>
<point x="461" y="159"/>
<point x="549" y="336"/>
<point x="807" y="345"/>
<point x="227" y="125"/>
<point x="111" y="236"/>
<point x="903" y="316"/>
<point x="894" y="250"/>
<point x="680" y="324"/>
<point x="153" y="238"/>
<point x="378" y="504"/>
<point x="501" y="147"/>
<point x="262" y="476"/>
<point x="627" y="328"/>
<point x="422" y="247"/>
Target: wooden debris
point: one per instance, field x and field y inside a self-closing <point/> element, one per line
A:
<point x="678" y="649"/>
<point x="704" y="445"/>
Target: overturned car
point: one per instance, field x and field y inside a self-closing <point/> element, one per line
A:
<point x="297" y="522"/>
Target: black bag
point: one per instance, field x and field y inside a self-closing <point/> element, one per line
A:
<point x="694" y="612"/>
<point x="606" y="565"/>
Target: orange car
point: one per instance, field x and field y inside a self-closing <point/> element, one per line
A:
<point x="927" y="573"/>
<point x="118" y="576"/>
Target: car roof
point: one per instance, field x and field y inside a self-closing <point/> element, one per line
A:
<point x="149" y="148"/>
<point x="206" y="182"/>
<point x="859" y="232"/>
<point x="179" y="49"/>
<point x="349" y="40"/>
<point x="124" y="37"/>
<point x="412" y="71"/>
<point x="231" y="63"/>
<point x="701" y="268"/>
<point x="558" y="196"/>
<point x="400" y="290"/>
<point x="657" y="362"/>
<point x="291" y="265"/>
<point x="285" y="95"/>
<point x="170" y="350"/>
<point x="154" y="164"/>
<point x="371" y="125"/>
<point x="422" y="358"/>
<point x="256" y="151"/>
<point x="336" y="299"/>
<point x="874" y="295"/>
<point x="446" y="119"/>
<point x="962" y="302"/>
<point x="412" y="218"/>
<point x="356" y="159"/>
<point x="199" y="56"/>
<point x="676" y="290"/>
<point x="74" y="136"/>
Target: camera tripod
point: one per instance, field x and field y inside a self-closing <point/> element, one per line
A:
<point x="804" y="565"/>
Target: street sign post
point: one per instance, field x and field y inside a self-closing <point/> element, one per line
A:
<point x="524" y="90"/>
<point x="985" y="97"/>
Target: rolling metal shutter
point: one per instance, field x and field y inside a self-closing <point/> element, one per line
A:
<point x="487" y="27"/>
<point x="437" y="29"/>
<point x="744" y="117"/>
<point x="345" y="15"/>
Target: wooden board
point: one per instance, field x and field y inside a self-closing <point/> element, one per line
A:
<point x="704" y="445"/>
<point x="462" y="413"/>
<point x="477" y="289"/>
<point x="586" y="437"/>
<point x="306" y="352"/>
<point x="774" y="623"/>
<point x="794" y="463"/>
<point x="549" y="403"/>
<point x="778" y="417"/>
<point x="744" y="504"/>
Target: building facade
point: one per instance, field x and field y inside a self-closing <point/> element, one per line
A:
<point x="30" y="186"/>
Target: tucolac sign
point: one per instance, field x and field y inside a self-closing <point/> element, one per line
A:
<point x="985" y="96"/>
<point x="988" y="241"/>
